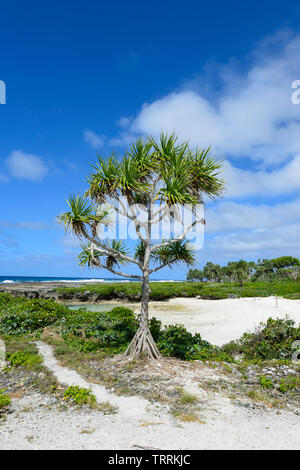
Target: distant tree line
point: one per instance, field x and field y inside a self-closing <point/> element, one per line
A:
<point x="285" y="267"/>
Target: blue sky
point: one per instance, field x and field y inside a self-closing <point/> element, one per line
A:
<point x="86" y="77"/>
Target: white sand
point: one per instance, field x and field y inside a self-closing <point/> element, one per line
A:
<point x="225" y="427"/>
<point x="128" y="406"/>
<point x="35" y="424"/>
<point x="220" y="321"/>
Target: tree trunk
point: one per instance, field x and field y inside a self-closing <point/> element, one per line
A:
<point x="143" y="344"/>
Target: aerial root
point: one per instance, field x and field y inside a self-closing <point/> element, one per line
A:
<point x="143" y="344"/>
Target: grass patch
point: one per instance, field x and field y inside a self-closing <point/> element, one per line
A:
<point x="265" y="382"/>
<point x="289" y="384"/>
<point x="83" y="396"/>
<point x="187" y="398"/>
<point x="188" y="417"/>
<point x="80" y="396"/>
<point x="24" y="359"/>
<point x="21" y="353"/>
<point x="5" y="401"/>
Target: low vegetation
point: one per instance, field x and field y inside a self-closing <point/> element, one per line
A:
<point x="256" y="367"/>
<point x="19" y="316"/>
<point x="274" y="339"/>
<point x="79" y="395"/>
<point x="165" y="290"/>
<point x="5" y="401"/>
<point x="89" y="331"/>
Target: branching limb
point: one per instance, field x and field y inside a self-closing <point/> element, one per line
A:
<point x="97" y="263"/>
<point x="137" y="224"/>
<point x="158" y="268"/>
<point x="180" y="237"/>
<point x="111" y="251"/>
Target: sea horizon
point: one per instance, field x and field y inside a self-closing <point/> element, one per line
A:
<point x="42" y="279"/>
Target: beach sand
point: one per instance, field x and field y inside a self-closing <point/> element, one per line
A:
<point x="220" y="321"/>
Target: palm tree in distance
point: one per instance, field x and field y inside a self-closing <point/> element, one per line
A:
<point x="157" y="176"/>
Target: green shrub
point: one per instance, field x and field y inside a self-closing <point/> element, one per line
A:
<point x="155" y="328"/>
<point x="5" y="400"/>
<point x="271" y="340"/>
<point x="24" y="359"/>
<point x="176" y="341"/>
<point x="289" y="384"/>
<point x="265" y="382"/>
<point x="79" y="395"/>
<point x="114" y="328"/>
<point x="19" y="316"/>
<point x="86" y="331"/>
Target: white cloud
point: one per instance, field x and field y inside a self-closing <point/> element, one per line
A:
<point x="236" y="230"/>
<point x="94" y="140"/>
<point x="123" y="122"/>
<point x="231" y="216"/>
<point x="246" y="183"/>
<point x="253" y="244"/>
<point x="26" y="166"/>
<point x="251" y="115"/>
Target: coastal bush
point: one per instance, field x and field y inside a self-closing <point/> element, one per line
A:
<point x="79" y="395"/>
<point x="271" y="340"/>
<point x="132" y="290"/>
<point x="155" y="326"/>
<point x="5" y="400"/>
<point x="19" y="316"/>
<point x="265" y="382"/>
<point x="87" y="331"/>
<point x="117" y="327"/>
<point x="176" y="341"/>
<point x="24" y="359"/>
<point x="206" y="290"/>
<point x="289" y="384"/>
<point x="113" y="328"/>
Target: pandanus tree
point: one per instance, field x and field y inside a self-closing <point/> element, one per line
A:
<point x="145" y="187"/>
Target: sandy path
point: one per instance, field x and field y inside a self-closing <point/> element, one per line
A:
<point x="225" y="427"/>
<point x="129" y="406"/>
<point x="220" y="321"/>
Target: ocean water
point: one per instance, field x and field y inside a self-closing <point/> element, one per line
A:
<point x="17" y="279"/>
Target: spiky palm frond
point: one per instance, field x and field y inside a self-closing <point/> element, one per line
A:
<point x="166" y="145"/>
<point x="205" y="174"/>
<point x="141" y="153"/>
<point x="184" y="175"/>
<point x="87" y="258"/>
<point x="179" y="251"/>
<point x="176" y="191"/>
<point x="103" y="183"/>
<point x="82" y="213"/>
<point x="131" y="179"/>
<point x="113" y="260"/>
<point x="139" y="252"/>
